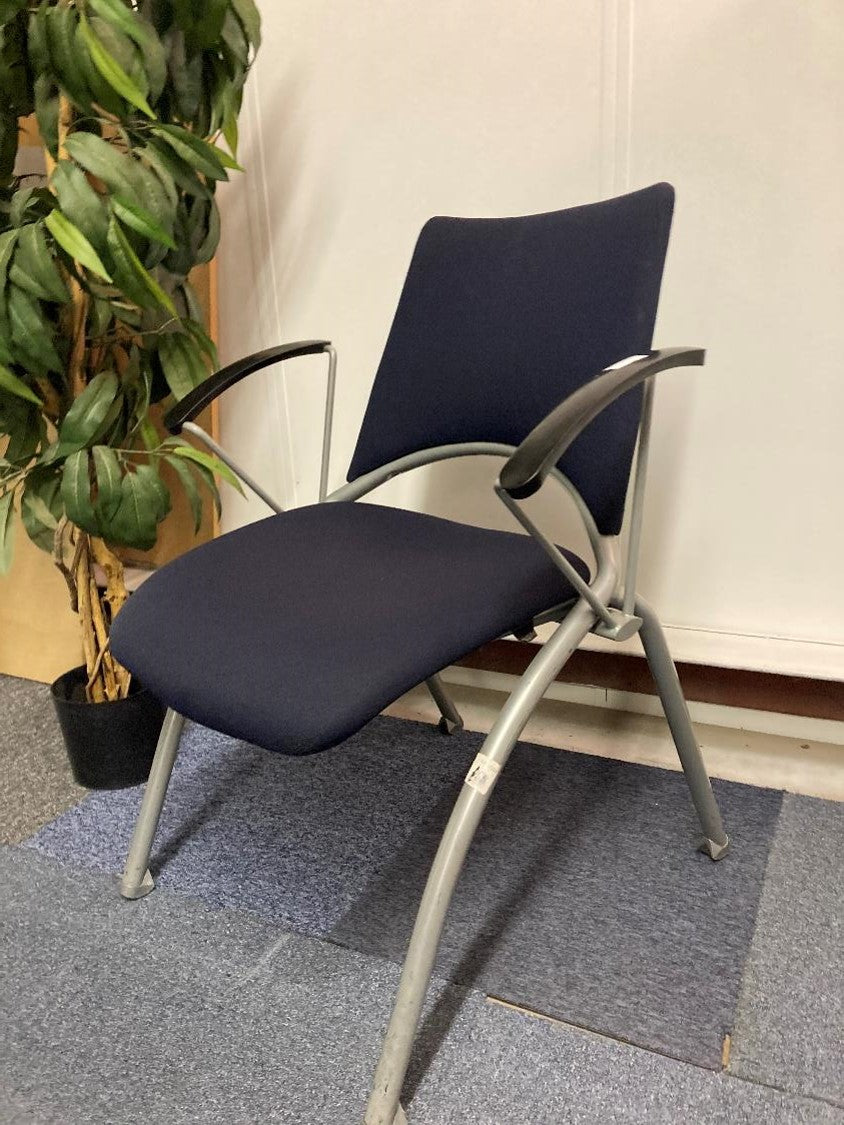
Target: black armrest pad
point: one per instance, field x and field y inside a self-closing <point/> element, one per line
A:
<point x="194" y="403"/>
<point x="528" y="467"/>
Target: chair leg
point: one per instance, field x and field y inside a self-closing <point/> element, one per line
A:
<point x="136" y="880"/>
<point x="384" y="1108"/>
<point x="451" y="720"/>
<point x="715" y="841"/>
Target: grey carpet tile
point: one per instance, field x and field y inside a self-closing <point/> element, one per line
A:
<point x="168" y="1011"/>
<point x="583" y="897"/>
<point x="35" y="779"/>
<point x="790" y="1020"/>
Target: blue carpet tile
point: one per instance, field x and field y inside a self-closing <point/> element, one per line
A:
<point x="583" y="897"/>
<point x="790" y="1020"/>
<point x="167" y="1011"/>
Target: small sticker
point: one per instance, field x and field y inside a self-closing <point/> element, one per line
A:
<point x="482" y="773"/>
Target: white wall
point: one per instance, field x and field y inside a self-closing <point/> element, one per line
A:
<point x="363" y="120"/>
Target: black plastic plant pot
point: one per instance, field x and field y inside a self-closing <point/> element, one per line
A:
<point x="110" y="745"/>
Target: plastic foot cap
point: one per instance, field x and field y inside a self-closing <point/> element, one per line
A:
<point x="449" y="726"/>
<point x="713" y="850"/>
<point x="137" y="890"/>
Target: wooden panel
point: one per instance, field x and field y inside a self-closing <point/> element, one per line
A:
<point x="39" y="633"/>
<point x="760" y="691"/>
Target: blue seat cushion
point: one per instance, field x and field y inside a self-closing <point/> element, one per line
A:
<point x="293" y="632"/>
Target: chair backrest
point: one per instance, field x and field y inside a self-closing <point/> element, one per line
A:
<point x="500" y="319"/>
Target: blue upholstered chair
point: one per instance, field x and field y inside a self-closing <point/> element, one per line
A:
<point x="528" y="338"/>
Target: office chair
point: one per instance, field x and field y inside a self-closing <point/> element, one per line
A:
<point x="526" y="338"/>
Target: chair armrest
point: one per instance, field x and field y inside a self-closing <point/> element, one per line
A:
<point x="525" y="471"/>
<point x="187" y="408"/>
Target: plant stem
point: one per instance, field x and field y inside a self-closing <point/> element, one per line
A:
<point x="115" y="597"/>
<point x="95" y="690"/>
<point x="103" y="668"/>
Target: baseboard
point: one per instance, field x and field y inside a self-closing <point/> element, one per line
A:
<point x="726" y="696"/>
<point x="798" y="764"/>
<point x="788" y="656"/>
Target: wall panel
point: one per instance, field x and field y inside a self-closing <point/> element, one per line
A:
<point x="361" y="121"/>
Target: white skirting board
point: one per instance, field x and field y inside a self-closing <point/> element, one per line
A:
<point x="784" y="656"/>
<point x="808" y="759"/>
<point x="711" y="714"/>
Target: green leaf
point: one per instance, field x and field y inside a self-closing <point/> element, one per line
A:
<point x="125" y="174"/>
<point x="20" y="202"/>
<point x="204" y="341"/>
<point x="127" y="314"/>
<point x="45" y="88"/>
<point x="199" y="154"/>
<point x="191" y="301"/>
<point x="32" y="337"/>
<point x="123" y="51"/>
<point x="39" y="510"/>
<point x="105" y="161"/>
<point x="234" y="37"/>
<point x="114" y="74"/>
<point x="7" y="531"/>
<point x="133" y="24"/>
<point x="208" y="247"/>
<point x="172" y="171"/>
<point x="230" y="129"/>
<point x="103" y="97"/>
<point x="141" y="389"/>
<point x="80" y="203"/>
<point x="8" y="239"/>
<point x="157" y="488"/>
<point x="34" y="259"/>
<point x="141" y="221"/>
<point x="189" y="485"/>
<point x="42" y="507"/>
<point x="134" y="522"/>
<point x="26" y="430"/>
<point x="100" y="316"/>
<point x="138" y="285"/>
<point x="9" y="9"/>
<point x="201" y="23"/>
<point x="181" y="362"/>
<point x="8" y="144"/>
<point x="76" y="492"/>
<point x="213" y="464"/>
<point x="73" y="242"/>
<point x="61" y="21"/>
<point x="37" y="48"/>
<point x="47" y="111"/>
<point x="15" y="386"/>
<point x="108" y="472"/>
<point x="207" y="478"/>
<point x="185" y="74"/>
<point x="148" y="434"/>
<point x="250" y="17"/>
<point x="89" y="410"/>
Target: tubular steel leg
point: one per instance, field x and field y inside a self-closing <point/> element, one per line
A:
<point x="137" y="880"/>
<point x="451" y="720"/>
<point x="384" y="1101"/>
<point x="715" y="842"/>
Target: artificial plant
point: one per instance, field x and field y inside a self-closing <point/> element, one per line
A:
<point x="98" y="321"/>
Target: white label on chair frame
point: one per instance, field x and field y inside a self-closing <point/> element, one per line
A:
<point x="482" y="773"/>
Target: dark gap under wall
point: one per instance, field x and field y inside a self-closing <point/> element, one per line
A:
<point x="731" y="687"/>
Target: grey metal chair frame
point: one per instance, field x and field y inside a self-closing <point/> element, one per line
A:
<point x="601" y="608"/>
